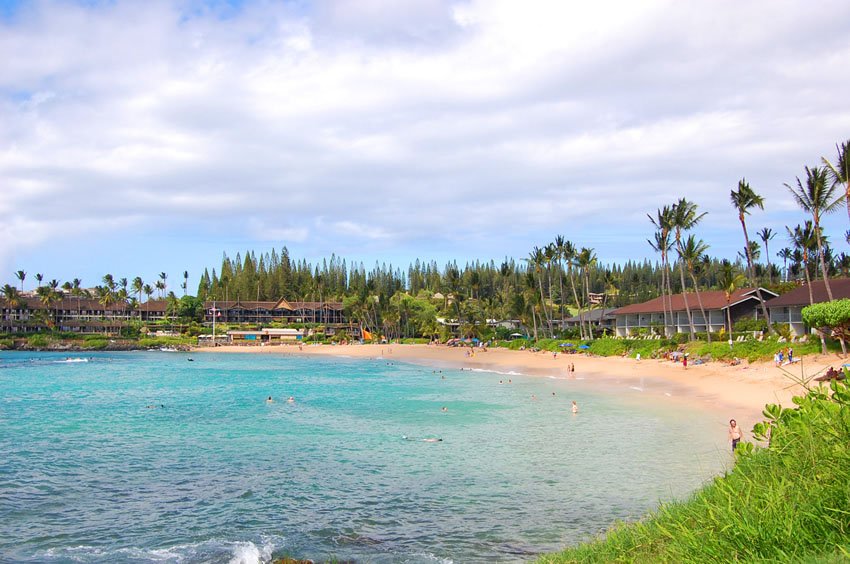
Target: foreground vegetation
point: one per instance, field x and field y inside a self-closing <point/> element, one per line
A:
<point x="787" y="502"/>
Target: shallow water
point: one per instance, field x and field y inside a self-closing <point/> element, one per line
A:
<point x="214" y="473"/>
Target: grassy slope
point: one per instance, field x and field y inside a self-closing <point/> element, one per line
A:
<point x="786" y="503"/>
<point x="649" y="348"/>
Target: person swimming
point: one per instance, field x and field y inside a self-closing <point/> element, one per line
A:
<point x="269" y="399"/>
<point x="425" y="440"/>
<point x="290" y="399"/>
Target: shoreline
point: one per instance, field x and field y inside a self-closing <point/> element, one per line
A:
<point x="739" y="392"/>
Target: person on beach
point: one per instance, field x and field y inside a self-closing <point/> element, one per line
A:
<point x="575" y="407"/>
<point x="790" y="355"/>
<point x="685" y="360"/>
<point x="734" y="434"/>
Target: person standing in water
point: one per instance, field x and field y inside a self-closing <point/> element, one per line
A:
<point x="575" y="407"/>
<point x="734" y="434"/>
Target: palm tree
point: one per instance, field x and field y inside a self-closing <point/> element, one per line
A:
<point x="754" y="252"/>
<point x="537" y="259"/>
<point x="185" y="281"/>
<point x="743" y="201"/>
<point x="663" y="222"/>
<point x="785" y="254"/>
<point x="839" y="172"/>
<point x="766" y="235"/>
<point x="570" y="253"/>
<point x="109" y="282"/>
<point x="817" y="198"/>
<point x="10" y="293"/>
<point x="685" y="218"/>
<point x="148" y="292"/>
<point x="39" y="277"/>
<point x="691" y="252"/>
<point x="163" y="277"/>
<point x="21" y="275"/>
<point x="47" y="296"/>
<point x="137" y="285"/>
<point x="662" y="245"/>
<point x="729" y="281"/>
<point x="804" y="240"/>
<point x="559" y="249"/>
<point x="551" y="253"/>
<point x="586" y="260"/>
<point x="77" y="291"/>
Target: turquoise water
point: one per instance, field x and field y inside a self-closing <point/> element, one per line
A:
<point x="89" y="473"/>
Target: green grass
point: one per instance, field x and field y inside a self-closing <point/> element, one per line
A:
<point x="755" y="350"/>
<point x="749" y="349"/>
<point x="789" y="502"/>
<point x="153" y="342"/>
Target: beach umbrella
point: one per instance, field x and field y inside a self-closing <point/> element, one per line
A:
<point x="584" y="346"/>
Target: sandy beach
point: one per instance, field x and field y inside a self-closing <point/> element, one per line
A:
<point x="739" y="391"/>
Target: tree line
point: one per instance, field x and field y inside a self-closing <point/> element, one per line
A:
<point x="556" y="280"/>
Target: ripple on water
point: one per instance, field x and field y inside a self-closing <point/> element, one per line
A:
<point x="219" y="475"/>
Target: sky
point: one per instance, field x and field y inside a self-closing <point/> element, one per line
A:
<point x="137" y="138"/>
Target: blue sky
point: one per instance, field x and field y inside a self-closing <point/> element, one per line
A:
<point x="137" y="138"/>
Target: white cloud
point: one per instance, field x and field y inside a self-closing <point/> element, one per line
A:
<point x="393" y="120"/>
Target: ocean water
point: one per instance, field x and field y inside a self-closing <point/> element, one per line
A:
<point x="214" y="473"/>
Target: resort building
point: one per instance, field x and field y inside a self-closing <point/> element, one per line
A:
<point x="281" y="311"/>
<point x="602" y="318"/>
<point x="787" y="308"/>
<point x="649" y="317"/>
<point x="264" y="336"/>
<point x="78" y="315"/>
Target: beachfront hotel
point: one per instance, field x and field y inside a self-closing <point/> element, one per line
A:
<point x="787" y="309"/>
<point x="88" y="315"/>
<point x="76" y="315"/>
<point x="649" y="317"/>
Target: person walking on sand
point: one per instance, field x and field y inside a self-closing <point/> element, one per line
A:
<point x="734" y="434"/>
<point x="575" y="407"/>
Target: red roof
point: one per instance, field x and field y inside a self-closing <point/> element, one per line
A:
<point x="800" y="296"/>
<point x="712" y="299"/>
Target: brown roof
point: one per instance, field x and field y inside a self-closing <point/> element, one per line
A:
<point x="73" y="304"/>
<point x="712" y="299"/>
<point x="239" y="304"/>
<point x="280" y="304"/>
<point x="800" y="296"/>
<point x="87" y="304"/>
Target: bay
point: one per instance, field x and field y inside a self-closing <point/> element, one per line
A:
<point x="151" y="457"/>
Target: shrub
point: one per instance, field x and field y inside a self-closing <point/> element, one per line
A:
<point x="38" y="341"/>
<point x="6" y="344"/>
<point x="609" y="347"/>
<point x="749" y="324"/>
